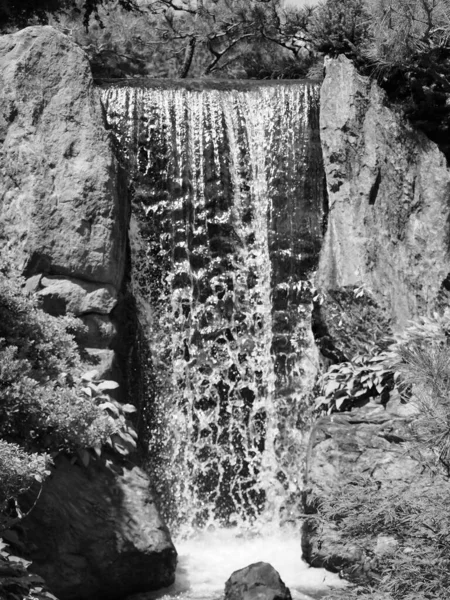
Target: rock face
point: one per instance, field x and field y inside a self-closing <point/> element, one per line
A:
<point x="62" y="206"/>
<point x="259" y="581"/>
<point x="364" y="441"/>
<point x="388" y="189"/>
<point x="96" y="533"/>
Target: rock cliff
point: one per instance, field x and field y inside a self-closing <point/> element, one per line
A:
<point x="61" y="203"/>
<point x="388" y="231"/>
<point x="95" y="532"/>
<point x="388" y="190"/>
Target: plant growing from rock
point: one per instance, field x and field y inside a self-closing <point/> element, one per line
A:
<point x="414" y="517"/>
<point x="47" y="405"/>
<point x="350" y="383"/>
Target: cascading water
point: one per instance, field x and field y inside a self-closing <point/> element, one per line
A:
<point x="227" y="216"/>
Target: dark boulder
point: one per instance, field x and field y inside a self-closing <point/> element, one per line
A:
<point x="259" y="581"/>
<point x="96" y="533"/>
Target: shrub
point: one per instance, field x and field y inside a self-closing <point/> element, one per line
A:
<point x="47" y="406"/>
<point x="415" y="360"/>
<point x="340" y="27"/>
<point x="348" y="322"/>
<point x="346" y="384"/>
<point x="19" y="470"/>
<point x="416" y="516"/>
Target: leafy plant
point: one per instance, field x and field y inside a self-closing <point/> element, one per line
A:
<point x="348" y="383"/>
<point x="348" y="322"/>
<point x="48" y="406"/>
<point x="19" y="470"/>
<point x="124" y="437"/>
<point x="415" y="515"/>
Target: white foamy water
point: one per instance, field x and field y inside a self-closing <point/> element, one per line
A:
<point x="207" y="560"/>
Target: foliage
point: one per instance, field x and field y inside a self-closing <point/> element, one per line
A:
<point x="21" y="13"/>
<point x="414" y="359"/>
<point x="415" y="516"/>
<point x="123" y="438"/>
<point x="348" y="322"/>
<point x="16" y="583"/>
<point x="346" y="384"/>
<point x="39" y="363"/>
<point x="19" y="470"/>
<point x="47" y="405"/>
<point x="173" y="39"/>
<point x="340" y="27"/>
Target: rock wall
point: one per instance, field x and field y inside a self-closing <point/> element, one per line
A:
<point x="63" y="203"/>
<point x="61" y="208"/>
<point x="367" y="441"/>
<point x="388" y="190"/>
<point x="95" y="532"/>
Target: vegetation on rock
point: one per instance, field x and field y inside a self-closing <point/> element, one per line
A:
<point x="401" y="531"/>
<point x="48" y="405"/>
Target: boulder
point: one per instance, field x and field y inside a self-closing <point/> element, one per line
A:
<point x="388" y="189"/>
<point x="365" y="441"/>
<point x="259" y="581"/>
<point x="96" y="533"/>
<point x="60" y="296"/>
<point x="63" y="203"/>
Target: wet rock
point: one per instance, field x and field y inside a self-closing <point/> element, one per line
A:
<point x="62" y="200"/>
<point x="60" y="296"/>
<point x="97" y="534"/>
<point x="364" y="441"/>
<point x="259" y="581"/>
<point x="388" y="189"/>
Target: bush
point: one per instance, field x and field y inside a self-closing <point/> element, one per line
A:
<point x="414" y="360"/>
<point x="416" y="517"/>
<point x="340" y="27"/>
<point x="19" y="471"/>
<point x="348" y="322"/>
<point x="47" y="405"/>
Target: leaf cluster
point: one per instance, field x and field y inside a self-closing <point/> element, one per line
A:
<point x="348" y="322"/>
<point x="414" y="515"/>
<point x="415" y="363"/>
<point x="47" y="406"/>
<point x="348" y="384"/>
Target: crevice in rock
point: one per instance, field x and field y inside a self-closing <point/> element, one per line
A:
<point x="375" y="189"/>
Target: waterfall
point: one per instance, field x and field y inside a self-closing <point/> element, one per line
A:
<point x="227" y="216"/>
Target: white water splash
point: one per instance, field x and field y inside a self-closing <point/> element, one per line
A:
<point x="207" y="559"/>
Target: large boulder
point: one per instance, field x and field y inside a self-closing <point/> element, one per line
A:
<point x="388" y="189"/>
<point x="63" y="206"/>
<point x="96" y="533"/>
<point x="366" y="441"/>
<point x="259" y="581"/>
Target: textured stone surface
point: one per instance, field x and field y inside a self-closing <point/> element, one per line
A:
<point x="389" y="190"/>
<point x="60" y="296"/>
<point x="365" y="441"/>
<point x="259" y="581"/>
<point x="96" y="533"/>
<point x="62" y="207"/>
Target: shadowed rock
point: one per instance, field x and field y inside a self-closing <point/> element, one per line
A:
<point x="259" y="581"/>
<point x="97" y="534"/>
